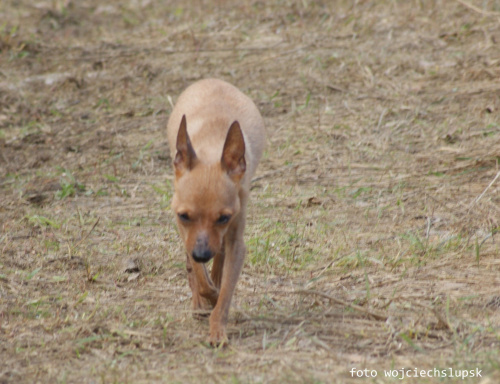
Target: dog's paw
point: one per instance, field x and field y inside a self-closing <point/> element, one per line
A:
<point x="218" y="338"/>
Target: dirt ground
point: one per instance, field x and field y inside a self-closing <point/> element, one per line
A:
<point x="373" y="224"/>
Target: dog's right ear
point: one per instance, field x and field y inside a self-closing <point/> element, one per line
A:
<point x="233" y="154"/>
<point x="185" y="159"/>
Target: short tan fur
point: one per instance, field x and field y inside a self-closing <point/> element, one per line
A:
<point x="216" y="136"/>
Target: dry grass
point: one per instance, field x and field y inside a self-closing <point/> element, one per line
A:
<point x="373" y="228"/>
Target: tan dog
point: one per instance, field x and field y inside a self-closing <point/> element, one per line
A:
<point x="216" y="137"/>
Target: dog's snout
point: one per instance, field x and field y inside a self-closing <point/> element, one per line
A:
<point x="202" y="255"/>
<point x="201" y="252"/>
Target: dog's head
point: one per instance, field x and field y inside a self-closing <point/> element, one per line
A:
<point x="206" y="198"/>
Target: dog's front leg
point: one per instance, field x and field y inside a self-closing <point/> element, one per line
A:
<point x="233" y="263"/>
<point x="204" y="294"/>
<point x="206" y="287"/>
<point x="217" y="268"/>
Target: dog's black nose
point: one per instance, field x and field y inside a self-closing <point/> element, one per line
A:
<point x="202" y="255"/>
<point x="201" y="252"/>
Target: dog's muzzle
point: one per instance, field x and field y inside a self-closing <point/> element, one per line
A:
<point x="201" y="252"/>
<point x="202" y="255"/>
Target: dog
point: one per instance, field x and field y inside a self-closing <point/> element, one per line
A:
<point x="216" y="137"/>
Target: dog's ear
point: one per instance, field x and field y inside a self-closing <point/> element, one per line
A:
<point x="185" y="159"/>
<point x="233" y="154"/>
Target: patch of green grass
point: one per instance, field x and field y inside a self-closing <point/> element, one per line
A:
<point x="41" y="221"/>
<point x="113" y="158"/>
<point x="306" y="102"/>
<point x="408" y="338"/>
<point x="102" y="192"/>
<point x="353" y="260"/>
<point x="30" y="275"/>
<point x="111" y="178"/>
<point x="142" y="154"/>
<point x="130" y="19"/>
<point x="258" y="248"/>
<point x="103" y="103"/>
<point x="51" y="245"/>
<point x="69" y="185"/>
<point x="437" y="173"/>
<point x="419" y="250"/>
<point x="165" y="192"/>
<point x="360" y="191"/>
<point x="283" y="245"/>
<point x="491" y="130"/>
<point x="37" y="309"/>
<point x="276" y="103"/>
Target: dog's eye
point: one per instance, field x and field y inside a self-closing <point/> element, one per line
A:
<point x="223" y="219"/>
<point x="183" y="216"/>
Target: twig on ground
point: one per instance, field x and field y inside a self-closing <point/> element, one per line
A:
<point x="478" y="10"/>
<point x="342" y="302"/>
<point x="485" y="190"/>
<point x="441" y="320"/>
<point x="87" y="235"/>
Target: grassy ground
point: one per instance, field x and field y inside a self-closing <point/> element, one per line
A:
<point x="373" y="224"/>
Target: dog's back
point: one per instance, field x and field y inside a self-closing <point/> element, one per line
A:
<point x="210" y="107"/>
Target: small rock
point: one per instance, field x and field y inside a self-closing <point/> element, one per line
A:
<point x="131" y="266"/>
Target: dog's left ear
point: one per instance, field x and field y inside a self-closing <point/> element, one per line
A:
<point x="233" y="154"/>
